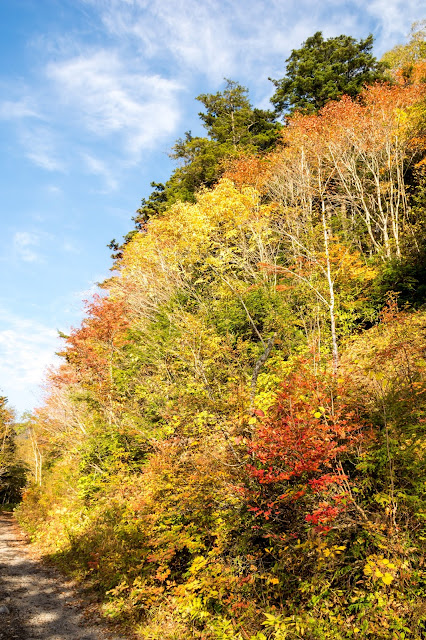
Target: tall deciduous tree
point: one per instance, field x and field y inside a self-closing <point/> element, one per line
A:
<point x="91" y="350"/>
<point x="233" y="126"/>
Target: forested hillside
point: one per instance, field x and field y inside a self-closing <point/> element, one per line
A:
<point x="233" y="447"/>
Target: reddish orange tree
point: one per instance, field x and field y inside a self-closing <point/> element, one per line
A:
<point x="351" y="159"/>
<point x="91" y="350"/>
<point x="249" y="170"/>
<point x="299" y="451"/>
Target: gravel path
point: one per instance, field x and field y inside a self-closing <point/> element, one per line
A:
<point x="37" y="602"/>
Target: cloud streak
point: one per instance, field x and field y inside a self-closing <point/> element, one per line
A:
<point x="27" y="348"/>
<point x="41" y="148"/>
<point x="108" y="99"/>
<point x="17" y="110"/>
<point x="97" y="167"/>
<point x="220" y="37"/>
<point x="25" y="244"/>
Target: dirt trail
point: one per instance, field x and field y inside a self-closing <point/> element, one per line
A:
<point x="37" y="602"/>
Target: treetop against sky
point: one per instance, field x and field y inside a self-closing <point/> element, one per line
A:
<point x="94" y="94"/>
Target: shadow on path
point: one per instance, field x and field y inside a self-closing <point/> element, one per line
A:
<point x="41" y="605"/>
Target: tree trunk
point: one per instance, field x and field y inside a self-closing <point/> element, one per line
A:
<point x="331" y="305"/>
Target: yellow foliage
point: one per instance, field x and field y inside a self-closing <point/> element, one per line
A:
<point x="378" y="567"/>
<point x="225" y="227"/>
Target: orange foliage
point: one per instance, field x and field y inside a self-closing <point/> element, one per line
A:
<point x="362" y="119"/>
<point x="352" y="156"/>
<point x="251" y="171"/>
<point x="414" y="73"/>
<point x="90" y="348"/>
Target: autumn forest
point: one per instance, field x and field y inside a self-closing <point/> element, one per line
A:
<point x="234" y="445"/>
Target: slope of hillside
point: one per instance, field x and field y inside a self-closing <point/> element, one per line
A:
<point x="234" y="445"/>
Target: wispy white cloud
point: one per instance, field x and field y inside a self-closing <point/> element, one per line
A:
<point x="221" y="37"/>
<point x="25" y="245"/>
<point x="108" y="99"/>
<point x="16" y="110"/>
<point x="27" y="348"/>
<point x="70" y="247"/>
<point x="100" y="168"/>
<point x="34" y="245"/>
<point x="200" y="37"/>
<point x="54" y="190"/>
<point x="393" y="18"/>
<point x="41" y="147"/>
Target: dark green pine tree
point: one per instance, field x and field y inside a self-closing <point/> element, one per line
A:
<point x="323" y="70"/>
<point x="231" y="120"/>
<point x="233" y="126"/>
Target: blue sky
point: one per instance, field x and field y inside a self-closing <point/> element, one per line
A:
<point x="93" y="94"/>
